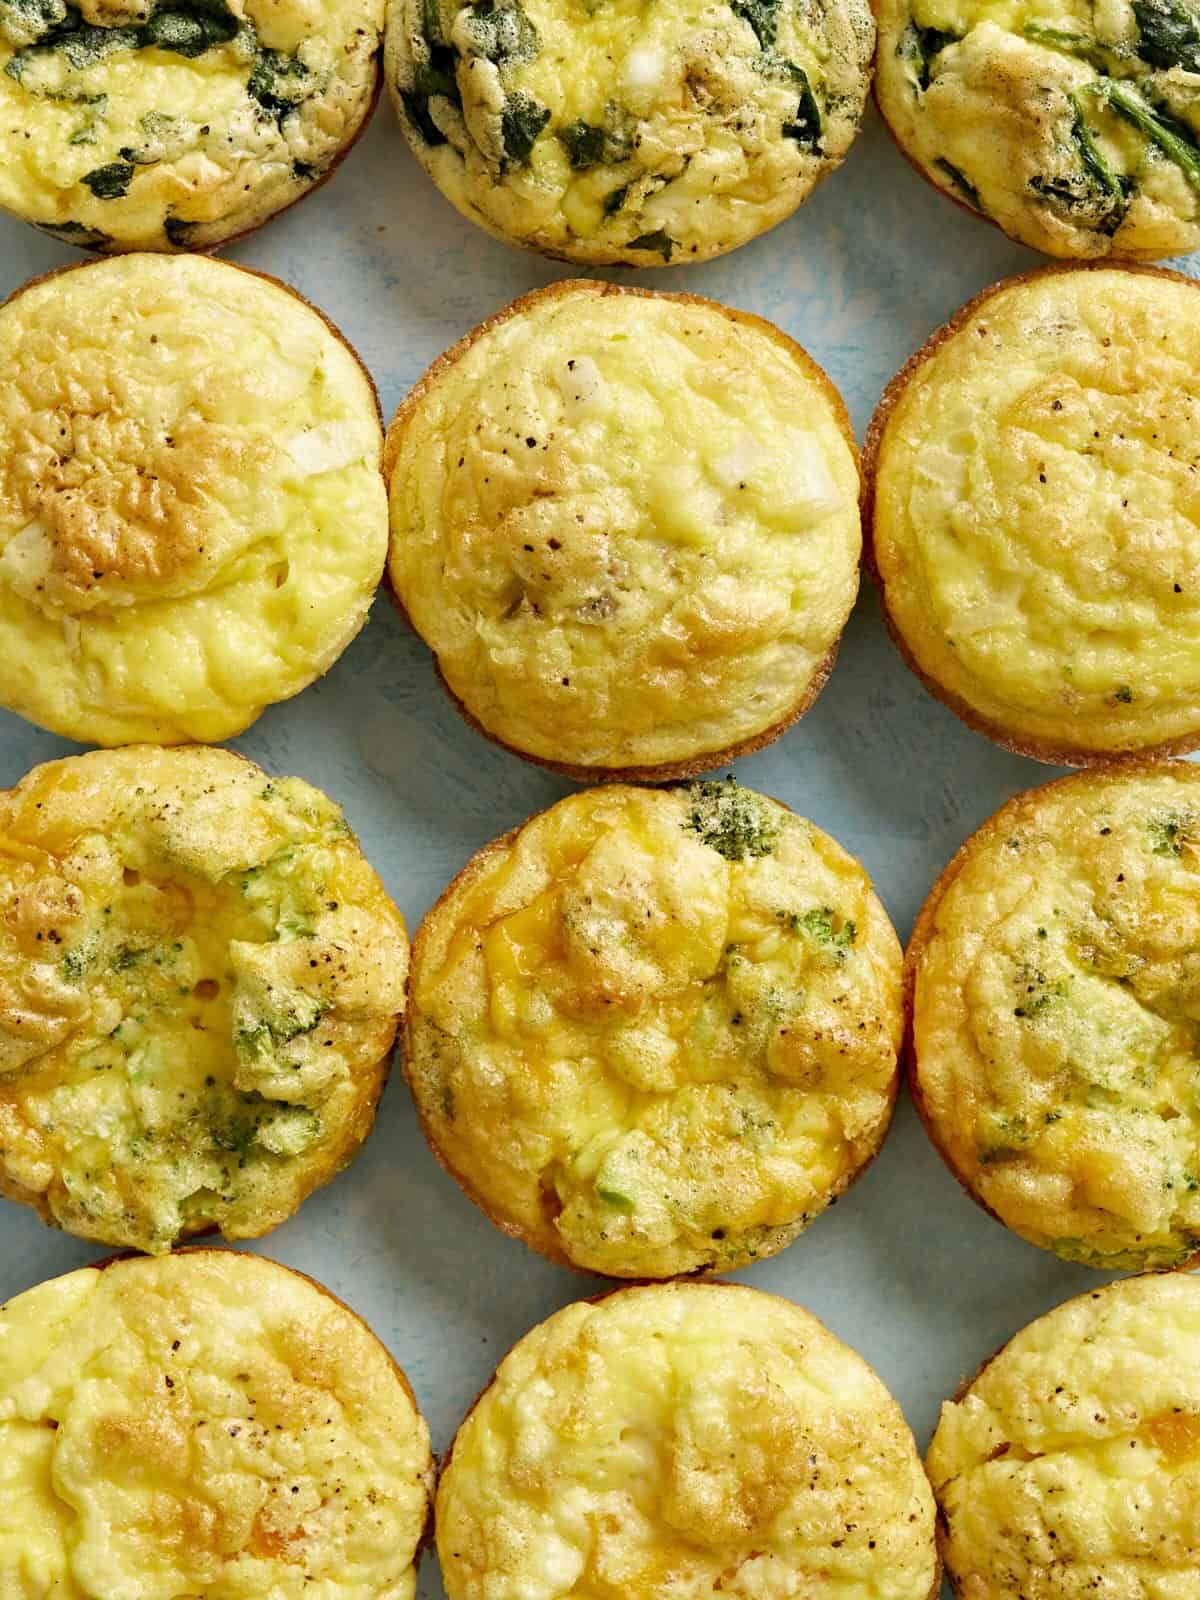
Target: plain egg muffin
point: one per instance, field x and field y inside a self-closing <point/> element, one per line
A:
<point x="1070" y="1465"/>
<point x="638" y="131"/>
<point x="627" y="526"/>
<point x="655" y="1031"/>
<point x="208" y="1424"/>
<point x="1054" y="975"/>
<point x="1033" y="513"/>
<point x="177" y="124"/>
<point x="685" y="1439"/>
<point x="193" y="522"/>
<point x="200" y="983"/>
<point x="1075" y="128"/>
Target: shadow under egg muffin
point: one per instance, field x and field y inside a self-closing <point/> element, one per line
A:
<point x="627" y="525"/>
<point x="641" y="131"/>
<point x="685" y="1438"/>
<point x="200" y="984"/>
<point x="655" y="1031"/>
<point x="1070" y="1464"/>
<point x="1075" y="131"/>
<point x="1055" y="991"/>
<point x="1032" y="517"/>
<point x="206" y="1423"/>
<point x="177" y="124"/>
<point x="193" y="521"/>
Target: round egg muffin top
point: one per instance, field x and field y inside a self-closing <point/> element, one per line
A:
<point x="1075" y="127"/>
<point x="655" y="1031"/>
<point x="627" y="525"/>
<point x="1036" y="518"/>
<point x="640" y="131"/>
<point x="685" y="1439"/>
<point x="175" y="124"/>
<point x="208" y="1424"/>
<point x="1055" y="972"/>
<point x="192" y="517"/>
<point x="200" y="979"/>
<point x="1070" y="1466"/>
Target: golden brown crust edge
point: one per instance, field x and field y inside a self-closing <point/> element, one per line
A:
<point x="664" y="771"/>
<point x="922" y="936"/>
<point x="544" y="1248"/>
<point x="1045" y="750"/>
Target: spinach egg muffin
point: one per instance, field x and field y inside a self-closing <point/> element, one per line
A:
<point x="655" y="1031"/>
<point x="207" y="1424"/>
<point x="638" y="131"/>
<point x="627" y="526"/>
<point x="193" y="522"/>
<point x="1070" y="1465"/>
<point x="1075" y="127"/>
<point x="1032" y="514"/>
<point x="177" y="124"/>
<point x="200" y="982"/>
<point x="685" y="1439"/>
<point x="1054" y="975"/>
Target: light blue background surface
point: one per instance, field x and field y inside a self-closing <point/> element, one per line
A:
<point x="905" y="1269"/>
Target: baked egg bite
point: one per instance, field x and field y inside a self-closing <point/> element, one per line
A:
<point x="1070" y="1464"/>
<point x="1032" y="516"/>
<point x="640" y="131"/>
<point x="627" y="526"/>
<point x="200" y="982"/>
<point x="655" y="1031"/>
<point x="1055" y="994"/>
<point x="192" y="517"/>
<point x="1075" y="128"/>
<point x="685" y="1439"/>
<point x="210" y="1424"/>
<point x="177" y="124"/>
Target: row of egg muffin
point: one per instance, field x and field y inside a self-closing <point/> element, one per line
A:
<point x="628" y="524"/>
<point x="640" y="131"/>
<point x="211" y="1423"/>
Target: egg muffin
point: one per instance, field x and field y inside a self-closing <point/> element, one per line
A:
<point x="1074" y="127"/>
<point x="640" y="131"/>
<point x="1070" y="1465"/>
<point x="210" y="1424"/>
<point x="177" y="124"/>
<point x="1055" y="985"/>
<point x="192" y="516"/>
<point x="200" y="981"/>
<point x="655" y="1031"/>
<point x="685" y="1439"/>
<point x="1032" y="513"/>
<point x="627" y="526"/>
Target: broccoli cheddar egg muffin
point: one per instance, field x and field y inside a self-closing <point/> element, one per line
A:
<point x="205" y="1424"/>
<point x="200" y="982"/>
<point x="1074" y="127"/>
<point x="655" y="1031"/>
<point x="685" y="1439"/>
<point x="176" y="124"/>
<point x="1070" y="1465"/>
<point x="639" y="131"/>
<point x="192" y="517"/>
<point x="1033" y="516"/>
<point x="1055" y="984"/>
<point x="627" y="526"/>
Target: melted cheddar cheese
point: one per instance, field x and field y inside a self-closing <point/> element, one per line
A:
<point x="685" y="1439"/>
<point x="655" y="1031"/>
<point x="192" y="518"/>
<point x="627" y="525"/>
<point x="1056" y="1016"/>
<point x="200" y="979"/>
<point x="206" y="1424"/>
<point x="1037" y="513"/>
